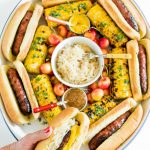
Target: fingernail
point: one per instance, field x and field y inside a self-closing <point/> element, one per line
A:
<point x="48" y="129"/>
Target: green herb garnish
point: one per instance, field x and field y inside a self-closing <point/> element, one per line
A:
<point x="54" y="14"/>
<point x="119" y="37"/>
<point x="82" y="6"/>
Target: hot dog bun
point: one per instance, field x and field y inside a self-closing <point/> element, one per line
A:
<point x="12" y="27"/>
<point x="49" y="3"/>
<point x="124" y="132"/>
<point x="9" y="98"/>
<point x="134" y="72"/>
<point x="116" y="15"/>
<point x="59" y="122"/>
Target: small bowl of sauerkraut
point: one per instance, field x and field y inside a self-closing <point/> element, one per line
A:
<point x="71" y="63"/>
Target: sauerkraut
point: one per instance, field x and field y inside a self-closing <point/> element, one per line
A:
<point x="74" y="65"/>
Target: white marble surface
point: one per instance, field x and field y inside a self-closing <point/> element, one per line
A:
<point x="142" y="140"/>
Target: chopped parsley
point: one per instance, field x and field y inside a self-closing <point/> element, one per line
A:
<point x="82" y="6"/>
<point x="35" y="56"/>
<point x="119" y="37"/>
<point x="120" y="68"/>
<point x="38" y="40"/>
<point x="126" y="81"/>
<point x="38" y="79"/>
<point x="102" y="24"/>
<point x="54" y="14"/>
<point x="45" y="94"/>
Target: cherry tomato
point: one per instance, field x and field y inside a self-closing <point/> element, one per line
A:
<point x="51" y="50"/>
<point x="97" y="94"/>
<point x="70" y="34"/>
<point x="104" y="83"/>
<point x="89" y="97"/>
<point x="103" y="43"/>
<point x="91" y="34"/>
<point x="54" y="80"/>
<point x="106" y="60"/>
<point x="94" y="86"/>
<point x="46" y="68"/>
<point x="54" y="39"/>
<point x="59" y="89"/>
<point x="62" y="30"/>
<point x="106" y="92"/>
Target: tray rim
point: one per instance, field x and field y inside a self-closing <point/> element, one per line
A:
<point x="133" y="136"/>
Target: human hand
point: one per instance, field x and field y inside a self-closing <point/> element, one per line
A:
<point x="29" y="141"/>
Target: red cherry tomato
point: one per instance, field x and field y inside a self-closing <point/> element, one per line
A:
<point x="62" y="30"/>
<point x="97" y="94"/>
<point x="46" y="68"/>
<point x="91" y="34"/>
<point x="104" y="83"/>
<point x="70" y="34"/>
<point x="105" y="51"/>
<point x="51" y="50"/>
<point x="103" y="43"/>
<point x="54" y="39"/>
<point x="94" y="86"/>
<point x="59" y="89"/>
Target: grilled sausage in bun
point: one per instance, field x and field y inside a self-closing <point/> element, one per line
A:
<point x="20" y="31"/>
<point x="113" y="129"/>
<point x="126" y="16"/>
<point x="17" y="93"/>
<point x="139" y="68"/>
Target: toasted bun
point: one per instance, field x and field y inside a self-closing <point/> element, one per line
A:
<point x="138" y="17"/>
<point x="49" y="3"/>
<point x="128" y="128"/>
<point x="12" y="27"/>
<point x="116" y="15"/>
<point x="9" y="98"/>
<point x="110" y="117"/>
<point x="146" y="44"/>
<point x="62" y="118"/>
<point x="133" y="49"/>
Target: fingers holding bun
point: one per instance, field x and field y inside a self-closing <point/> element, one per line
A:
<point x="69" y="130"/>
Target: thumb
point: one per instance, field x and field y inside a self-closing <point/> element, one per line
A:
<point x="39" y="135"/>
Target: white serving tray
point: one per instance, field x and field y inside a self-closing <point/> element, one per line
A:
<point x="20" y="131"/>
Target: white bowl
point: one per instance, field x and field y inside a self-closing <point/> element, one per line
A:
<point x="77" y="39"/>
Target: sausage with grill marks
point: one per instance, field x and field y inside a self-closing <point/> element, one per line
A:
<point x="126" y="14"/>
<point x="142" y="68"/>
<point x="21" y="32"/>
<point x="19" y="91"/>
<point x="108" y="131"/>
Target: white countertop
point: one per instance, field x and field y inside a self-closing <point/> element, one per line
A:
<point x="141" y="141"/>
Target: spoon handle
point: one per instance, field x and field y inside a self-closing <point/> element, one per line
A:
<point x="53" y="19"/>
<point x="121" y="56"/>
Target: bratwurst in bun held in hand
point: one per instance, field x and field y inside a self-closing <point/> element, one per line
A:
<point x="20" y="31"/>
<point x="17" y="93"/>
<point x="69" y="130"/>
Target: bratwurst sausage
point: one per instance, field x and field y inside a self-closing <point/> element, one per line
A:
<point x="21" y="32"/>
<point x="142" y="68"/>
<point x="108" y="131"/>
<point x="19" y="91"/>
<point x="126" y="14"/>
<point x="64" y="141"/>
